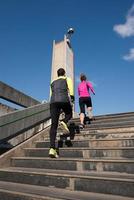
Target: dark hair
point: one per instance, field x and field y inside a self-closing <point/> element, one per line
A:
<point x="83" y="77"/>
<point x="60" y="72"/>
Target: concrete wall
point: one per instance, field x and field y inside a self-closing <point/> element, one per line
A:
<point x="11" y="94"/>
<point x="5" y="109"/>
<point x="18" y="126"/>
<point x="16" y="123"/>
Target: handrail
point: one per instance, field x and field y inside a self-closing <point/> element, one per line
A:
<point x="1" y="125"/>
<point x="15" y="96"/>
<point x="15" y="123"/>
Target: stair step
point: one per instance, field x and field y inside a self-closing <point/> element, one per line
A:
<point x="103" y="135"/>
<point x="98" y="120"/>
<point x="13" y="191"/>
<point x="101" y="160"/>
<point x="125" y="152"/>
<point x="110" y="125"/>
<point x="7" y="194"/>
<point x="119" y="165"/>
<point x="112" y="142"/>
<point x="110" y="116"/>
<point x="102" y="126"/>
<point x="108" y="122"/>
<point x="100" y="134"/>
<point x="114" y="183"/>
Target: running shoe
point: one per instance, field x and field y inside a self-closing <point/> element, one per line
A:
<point x="53" y="153"/>
<point x="63" y="126"/>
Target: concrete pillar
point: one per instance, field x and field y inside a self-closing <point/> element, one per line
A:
<point x="62" y="56"/>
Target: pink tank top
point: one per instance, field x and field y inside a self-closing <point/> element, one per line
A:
<point x="84" y="89"/>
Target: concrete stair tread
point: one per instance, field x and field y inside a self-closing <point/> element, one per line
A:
<point x="92" y="142"/>
<point x="129" y="129"/>
<point x="41" y="192"/>
<point x="125" y="121"/>
<point x="84" y="148"/>
<point x="98" y="133"/>
<point x="77" y="159"/>
<point x="103" y="132"/>
<point x="90" y="139"/>
<point x="107" y="120"/>
<point x="103" y="127"/>
<point x="107" y="116"/>
<point x="106" y="130"/>
<point x="76" y="174"/>
<point x="101" y="160"/>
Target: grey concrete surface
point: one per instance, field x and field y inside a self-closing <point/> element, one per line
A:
<point x="15" y="96"/>
<point x="5" y="109"/>
<point x="14" y="123"/>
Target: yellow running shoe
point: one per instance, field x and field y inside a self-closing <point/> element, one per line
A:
<point x="63" y="126"/>
<point x="53" y="153"/>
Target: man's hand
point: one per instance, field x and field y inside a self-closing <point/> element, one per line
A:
<point x="72" y="98"/>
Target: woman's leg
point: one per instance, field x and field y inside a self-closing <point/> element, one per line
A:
<point x="82" y="110"/>
<point x="90" y="115"/>
<point x="89" y="107"/>
<point x="82" y="115"/>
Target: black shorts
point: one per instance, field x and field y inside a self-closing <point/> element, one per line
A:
<point x="84" y="101"/>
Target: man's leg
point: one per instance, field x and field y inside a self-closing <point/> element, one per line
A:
<point x="67" y="109"/>
<point x="55" y="112"/>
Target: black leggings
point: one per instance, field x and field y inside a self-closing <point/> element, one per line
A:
<point x="84" y="101"/>
<point x="55" y="110"/>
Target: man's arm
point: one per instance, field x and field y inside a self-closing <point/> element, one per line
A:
<point x="70" y="88"/>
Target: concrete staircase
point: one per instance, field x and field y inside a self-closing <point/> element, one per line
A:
<point x="99" y="165"/>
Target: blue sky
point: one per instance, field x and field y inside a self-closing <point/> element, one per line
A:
<point x="103" y="44"/>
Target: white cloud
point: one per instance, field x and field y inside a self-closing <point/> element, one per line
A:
<point x="130" y="56"/>
<point x="126" y="29"/>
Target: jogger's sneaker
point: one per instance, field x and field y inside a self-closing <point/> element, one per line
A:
<point x="81" y="126"/>
<point x="53" y="153"/>
<point x="68" y="142"/>
<point x="63" y="126"/>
